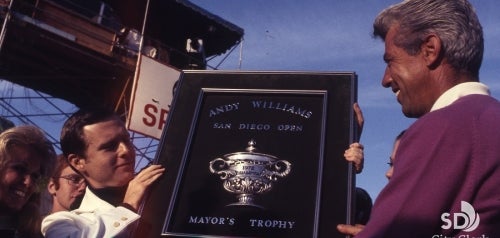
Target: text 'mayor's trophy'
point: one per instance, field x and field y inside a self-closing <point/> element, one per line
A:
<point x="249" y="173"/>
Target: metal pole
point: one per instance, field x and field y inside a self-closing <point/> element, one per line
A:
<point x="139" y="53"/>
<point x="241" y="54"/>
<point x="4" y="25"/>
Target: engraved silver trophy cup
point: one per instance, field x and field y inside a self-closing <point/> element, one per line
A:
<point x="249" y="173"/>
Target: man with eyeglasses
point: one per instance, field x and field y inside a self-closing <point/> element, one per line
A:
<point x="65" y="186"/>
<point x="389" y="172"/>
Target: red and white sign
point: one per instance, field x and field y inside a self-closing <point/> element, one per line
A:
<point x="152" y="94"/>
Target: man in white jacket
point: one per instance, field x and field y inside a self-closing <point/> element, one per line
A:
<point x="98" y="146"/>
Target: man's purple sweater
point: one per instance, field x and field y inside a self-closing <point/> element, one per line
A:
<point x="447" y="156"/>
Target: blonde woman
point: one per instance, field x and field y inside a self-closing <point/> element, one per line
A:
<point x="26" y="159"/>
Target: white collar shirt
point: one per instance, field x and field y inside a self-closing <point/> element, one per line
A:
<point x="458" y="91"/>
<point x="94" y="218"/>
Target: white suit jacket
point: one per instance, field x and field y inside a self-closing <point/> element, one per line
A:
<point x="94" y="218"/>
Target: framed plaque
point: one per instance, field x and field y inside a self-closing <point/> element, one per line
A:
<point x="255" y="154"/>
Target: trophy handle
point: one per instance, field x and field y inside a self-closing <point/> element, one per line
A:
<point x="280" y="168"/>
<point x="220" y="166"/>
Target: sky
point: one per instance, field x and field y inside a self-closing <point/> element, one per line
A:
<point x="320" y="35"/>
<point x="335" y="35"/>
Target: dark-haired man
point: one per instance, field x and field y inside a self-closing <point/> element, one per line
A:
<point x="98" y="146"/>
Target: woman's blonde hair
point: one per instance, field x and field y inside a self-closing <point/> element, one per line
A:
<point x="29" y="218"/>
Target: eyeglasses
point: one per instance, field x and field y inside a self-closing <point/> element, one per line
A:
<point x="74" y="180"/>
<point x="391" y="162"/>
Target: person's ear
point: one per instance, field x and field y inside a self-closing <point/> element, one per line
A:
<point x="76" y="162"/>
<point x="51" y="187"/>
<point x="431" y="50"/>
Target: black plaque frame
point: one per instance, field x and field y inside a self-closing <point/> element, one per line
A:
<point x="305" y="118"/>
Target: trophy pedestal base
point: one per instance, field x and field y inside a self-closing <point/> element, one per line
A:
<point x="246" y="200"/>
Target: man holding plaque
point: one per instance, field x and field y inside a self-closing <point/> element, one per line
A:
<point x="445" y="180"/>
<point x="98" y="146"/>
